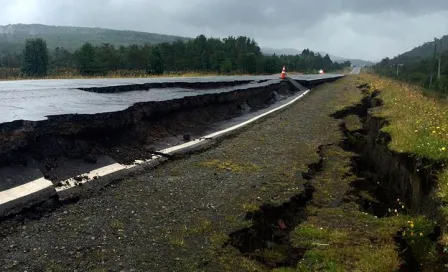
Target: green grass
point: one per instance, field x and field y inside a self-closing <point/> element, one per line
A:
<point x="313" y="236"/>
<point x="251" y="207"/>
<point x="116" y="224"/>
<point x="442" y="190"/>
<point x="418" y="124"/>
<point x="346" y="239"/>
<point x="228" y="165"/>
<point x="177" y="241"/>
<point x="202" y="227"/>
<point x="353" y="123"/>
<point x="318" y="261"/>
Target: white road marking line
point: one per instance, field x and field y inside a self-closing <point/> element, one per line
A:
<point x="42" y="184"/>
<point x="107" y="170"/>
<point x="29" y="192"/>
<point x="25" y="189"/>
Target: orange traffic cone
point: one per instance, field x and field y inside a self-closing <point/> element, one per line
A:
<point x="283" y="73"/>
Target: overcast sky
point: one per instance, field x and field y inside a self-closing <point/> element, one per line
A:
<point x="366" y="29"/>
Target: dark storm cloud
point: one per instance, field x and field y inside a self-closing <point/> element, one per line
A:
<point x="356" y="28"/>
<point x="267" y="12"/>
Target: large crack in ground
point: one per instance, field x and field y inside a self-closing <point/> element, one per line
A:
<point x="174" y="84"/>
<point x="52" y="149"/>
<point x="368" y="193"/>
<point x="268" y="239"/>
<point x="365" y="191"/>
<point x="373" y="195"/>
<point x="124" y="136"/>
<point x="272" y="238"/>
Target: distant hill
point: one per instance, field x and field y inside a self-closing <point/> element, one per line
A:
<point x="426" y="50"/>
<point x="283" y="51"/>
<point x="418" y="65"/>
<point x="71" y="38"/>
<point x="13" y="37"/>
<point x="292" y="51"/>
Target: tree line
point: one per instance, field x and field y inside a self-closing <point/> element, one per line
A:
<point x="232" y="55"/>
<point x="417" y="70"/>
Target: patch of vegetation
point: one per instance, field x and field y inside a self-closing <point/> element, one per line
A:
<point x="415" y="66"/>
<point x="202" y="227"/>
<point x="52" y="266"/>
<point x="442" y="190"/>
<point x="233" y="262"/>
<point x="353" y="123"/>
<point x="416" y="235"/>
<point x="251" y="207"/>
<point x="417" y="124"/>
<point x="317" y="261"/>
<point x="218" y="239"/>
<point x="346" y="239"/>
<point x="116" y="224"/>
<point x="231" y="166"/>
<point x="309" y="236"/>
<point x="177" y="241"/>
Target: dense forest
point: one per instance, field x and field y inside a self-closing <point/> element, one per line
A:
<point x="231" y="55"/>
<point x="417" y="66"/>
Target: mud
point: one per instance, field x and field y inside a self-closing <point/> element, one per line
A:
<point x="127" y="135"/>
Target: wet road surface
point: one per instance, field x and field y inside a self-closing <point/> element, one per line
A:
<point x="356" y="71"/>
<point x="34" y="100"/>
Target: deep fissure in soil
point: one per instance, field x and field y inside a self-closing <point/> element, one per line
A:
<point x="127" y="135"/>
<point x="373" y="180"/>
<point x="268" y="239"/>
<point x="390" y="189"/>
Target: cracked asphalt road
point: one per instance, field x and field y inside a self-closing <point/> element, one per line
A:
<point x="177" y="217"/>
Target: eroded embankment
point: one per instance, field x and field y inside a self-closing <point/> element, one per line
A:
<point x="125" y="135"/>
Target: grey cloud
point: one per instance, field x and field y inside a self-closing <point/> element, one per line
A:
<point x="354" y="28"/>
<point x="307" y="12"/>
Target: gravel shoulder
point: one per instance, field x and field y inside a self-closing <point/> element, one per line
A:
<point x="178" y="217"/>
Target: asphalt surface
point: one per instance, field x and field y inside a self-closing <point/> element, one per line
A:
<point x="13" y="176"/>
<point x="102" y="82"/>
<point x="356" y="71"/>
<point x="34" y="100"/>
<point x="177" y="217"/>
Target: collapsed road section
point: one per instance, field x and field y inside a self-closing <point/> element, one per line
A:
<point x="50" y="157"/>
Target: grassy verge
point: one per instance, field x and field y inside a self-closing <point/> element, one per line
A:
<point x="344" y="237"/>
<point x="418" y="125"/>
